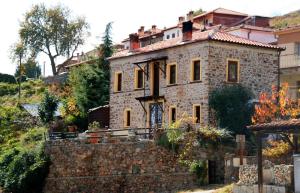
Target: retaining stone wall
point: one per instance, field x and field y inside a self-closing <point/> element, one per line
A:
<point x="126" y="166"/>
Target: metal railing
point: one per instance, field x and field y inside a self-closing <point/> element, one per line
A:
<point x="140" y="133"/>
<point x="145" y="133"/>
<point x="61" y="135"/>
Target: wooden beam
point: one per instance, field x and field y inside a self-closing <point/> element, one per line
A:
<point x="259" y="162"/>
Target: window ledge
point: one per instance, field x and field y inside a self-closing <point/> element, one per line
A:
<point x="115" y="92"/>
<point x="195" y="81"/>
<point x="170" y="85"/>
<point x="230" y="82"/>
<point x="136" y="89"/>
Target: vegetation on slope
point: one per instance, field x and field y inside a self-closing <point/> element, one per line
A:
<point x="287" y="20"/>
<point x="23" y="164"/>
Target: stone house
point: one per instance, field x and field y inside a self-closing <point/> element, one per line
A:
<point x="152" y="86"/>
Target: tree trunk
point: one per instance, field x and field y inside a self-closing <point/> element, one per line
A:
<point x="53" y="66"/>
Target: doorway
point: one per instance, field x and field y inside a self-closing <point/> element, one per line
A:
<point x="155" y="79"/>
<point x="212" y="172"/>
<point x="156" y="114"/>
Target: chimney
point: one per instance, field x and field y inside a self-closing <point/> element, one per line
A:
<point x="189" y="16"/>
<point x="134" y="42"/>
<point x="153" y="29"/>
<point x="141" y="31"/>
<point x="187" y="31"/>
<point x="180" y="20"/>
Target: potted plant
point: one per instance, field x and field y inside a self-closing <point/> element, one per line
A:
<point x="92" y="131"/>
<point x="70" y="121"/>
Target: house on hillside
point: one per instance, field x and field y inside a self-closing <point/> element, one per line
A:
<point x="146" y="37"/>
<point x="219" y="16"/>
<point x="83" y="58"/>
<point x="152" y="86"/>
<point x="252" y="27"/>
<point x="290" y="58"/>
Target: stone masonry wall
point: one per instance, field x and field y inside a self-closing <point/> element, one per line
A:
<point x="258" y="71"/>
<point x="258" y="66"/>
<point x="182" y="95"/>
<point x="131" y="167"/>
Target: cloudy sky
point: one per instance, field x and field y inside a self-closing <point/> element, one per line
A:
<point x="127" y="15"/>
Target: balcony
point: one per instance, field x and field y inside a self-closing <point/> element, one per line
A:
<point x="288" y="61"/>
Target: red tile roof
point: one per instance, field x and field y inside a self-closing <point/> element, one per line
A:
<point x="276" y="125"/>
<point x="197" y="36"/>
<point x="221" y="11"/>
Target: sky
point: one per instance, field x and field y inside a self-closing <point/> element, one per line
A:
<point x="127" y="16"/>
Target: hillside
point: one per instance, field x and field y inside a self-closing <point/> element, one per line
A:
<point x="289" y="19"/>
<point x="23" y="164"/>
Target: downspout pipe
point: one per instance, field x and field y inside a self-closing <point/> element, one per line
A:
<point x="278" y="70"/>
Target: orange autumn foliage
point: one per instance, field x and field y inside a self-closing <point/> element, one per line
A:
<point x="276" y="106"/>
<point x="62" y="91"/>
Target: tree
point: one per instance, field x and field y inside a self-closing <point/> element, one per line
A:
<point x="273" y="107"/>
<point x="232" y="107"/>
<point x="90" y="82"/>
<point x="19" y="52"/>
<point x="30" y="69"/>
<point x="198" y="12"/>
<point x="106" y="47"/>
<point x="89" y="86"/>
<point x="276" y="106"/>
<point x="52" y="31"/>
<point x="48" y="107"/>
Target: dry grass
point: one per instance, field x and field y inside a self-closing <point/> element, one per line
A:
<point x="215" y="188"/>
<point x="225" y="189"/>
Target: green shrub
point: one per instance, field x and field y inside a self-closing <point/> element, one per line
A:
<point x="26" y="85"/>
<point x="32" y="136"/>
<point x="40" y="90"/>
<point x="232" y="107"/>
<point x="164" y="141"/>
<point x="29" y="92"/>
<point x="48" y="107"/>
<point x="8" y="89"/>
<point x="7" y="78"/>
<point x="23" y="171"/>
<point x="6" y="158"/>
<point x="200" y="169"/>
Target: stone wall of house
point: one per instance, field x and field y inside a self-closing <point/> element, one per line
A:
<point x="182" y="95"/>
<point x="258" y="66"/>
<point x="119" y="166"/>
<point x="258" y="71"/>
